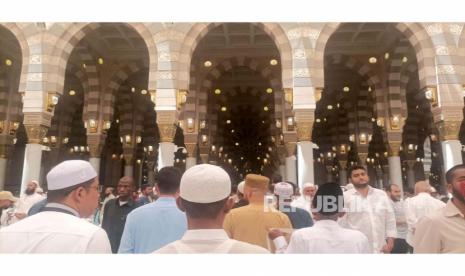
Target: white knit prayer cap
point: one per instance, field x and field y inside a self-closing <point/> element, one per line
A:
<point x="70" y="173"/>
<point x="205" y="184"/>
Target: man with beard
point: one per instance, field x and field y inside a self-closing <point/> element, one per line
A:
<point x="369" y="211"/>
<point x="305" y="200"/>
<point x="443" y="231"/>
<point x="398" y="204"/>
<point x="27" y="200"/>
<point x="147" y="195"/>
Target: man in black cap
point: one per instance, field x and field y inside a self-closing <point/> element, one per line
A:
<point x="326" y="236"/>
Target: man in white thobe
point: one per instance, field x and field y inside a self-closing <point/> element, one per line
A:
<point x="26" y="201"/>
<point x="418" y="206"/>
<point x="369" y="211"/>
<point x="204" y="196"/>
<point x="72" y="195"/>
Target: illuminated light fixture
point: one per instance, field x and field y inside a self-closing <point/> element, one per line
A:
<point x="338" y="105"/>
<point x="230" y="161"/>
<point x="228" y="122"/>
<point x="133" y="89"/>
<point x="138" y="139"/>
<point x="372" y="60"/>
<point x="404" y="59"/>
<point x="290" y="123"/>
<point x="127" y="139"/>
<point x="346" y="89"/>
<point x="324" y="119"/>
<point x="263" y="122"/>
<point x="217" y="91"/>
<point x="52" y="101"/>
<point x="259" y="143"/>
<point x="395" y="122"/>
<point x="221" y="149"/>
<point x="373" y="119"/>
<point x="237" y="144"/>
<point x="213" y="148"/>
<point x="411" y="147"/>
<point x="207" y="63"/>
<point x="362" y="138"/>
<point x="270" y="149"/>
<point x="65" y="140"/>
<point x="223" y="108"/>
<point x="72" y="92"/>
<point x="15" y="140"/>
<point x="278" y="123"/>
<point x="369" y="88"/>
<point x="82" y="148"/>
<point x="45" y="140"/>
<point x="8" y="62"/>
<point x="265" y="160"/>
<point x="318" y="120"/>
<point x="386" y="55"/>
<point x="113" y="156"/>
<point x="84" y="66"/>
<point x="242" y="157"/>
<point x="100" y="61"/>
<point x="352" y="138"/>
<point x="431" y="94"/>
<point x="92" y="126"/>
<point x="232" y="130"/>
<point x="204" y="138"/>
<point x="273" y="62"/>
<point x="370" y="136"/>
<point x="265" y="108"/>
<point x="143" y="92"/>
<point x="329" y="107"/>
<point x="380" y="122"/>
<point x="150" y="148"/>
<point x="203" y="124"/>
<point x="258" y="157"/>
<point x="190" y="124"/>
<point x="106" y="125"/>
<point x="269" y="90"/>
<point x="267" y="155"/>
<point x="138" y="161"/>
<point x="76" y="148"/>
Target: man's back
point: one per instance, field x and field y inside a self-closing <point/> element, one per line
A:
<point x="326" y="236"/>
<point x="153" y="226"/>
<point x="251" y="223"/>
<point x="210" y="241"/>
<point x="53" y="232"/>
<point x="416" y="208"/>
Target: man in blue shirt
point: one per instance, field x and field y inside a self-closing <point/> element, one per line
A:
<point x="159" y="223"/>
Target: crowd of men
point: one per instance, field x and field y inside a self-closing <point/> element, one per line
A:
<point x="197" y="212"/>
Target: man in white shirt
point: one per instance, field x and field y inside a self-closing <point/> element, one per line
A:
<point x="27" y="200"/>
<point x="325" y="236"/>
<point x="59" y="228"/>
<point x="204" y="196"/>
<point x="369" y="211"/>
<point x="398" y="204"/>
<point x="305" y="200"/>
<point x="6" y="207"/>
<point x="418" y="206"/>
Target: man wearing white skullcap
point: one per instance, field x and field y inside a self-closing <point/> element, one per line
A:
<point x="240" y="195"/>
<point x="299" y="217"/>
<point x="72" y="194"/>
<point x="305" y="200"/>
<point x="27" y="200"/>
<point x="204" y="196"/>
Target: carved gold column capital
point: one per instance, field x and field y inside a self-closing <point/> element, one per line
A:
<point x="394" y="148"/>
<point x="449" y="130"/>
<point x="363" y="158"/>
<point x="167" y="132"/>
<point x="95" y="143"/>
<point x="343" y="164"/>
<point x="35" y="133"/>
<point x="290" y="148"/>
<point x="191" y="149"/>
<point x="304" y="131"/>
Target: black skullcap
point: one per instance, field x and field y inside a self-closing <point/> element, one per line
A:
<point x="329" y="199"/>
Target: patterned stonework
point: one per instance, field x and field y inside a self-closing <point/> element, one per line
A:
<point x="95" y="143"/>
<point x="394" y="148"/>
<point x="304" y="131"/>
<point x="449" y="130"/>
<point x="35" y="133"/>
<point x="290" y="148"/>
<point x="167" y="132"/>
<point x="191" y="149"/>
